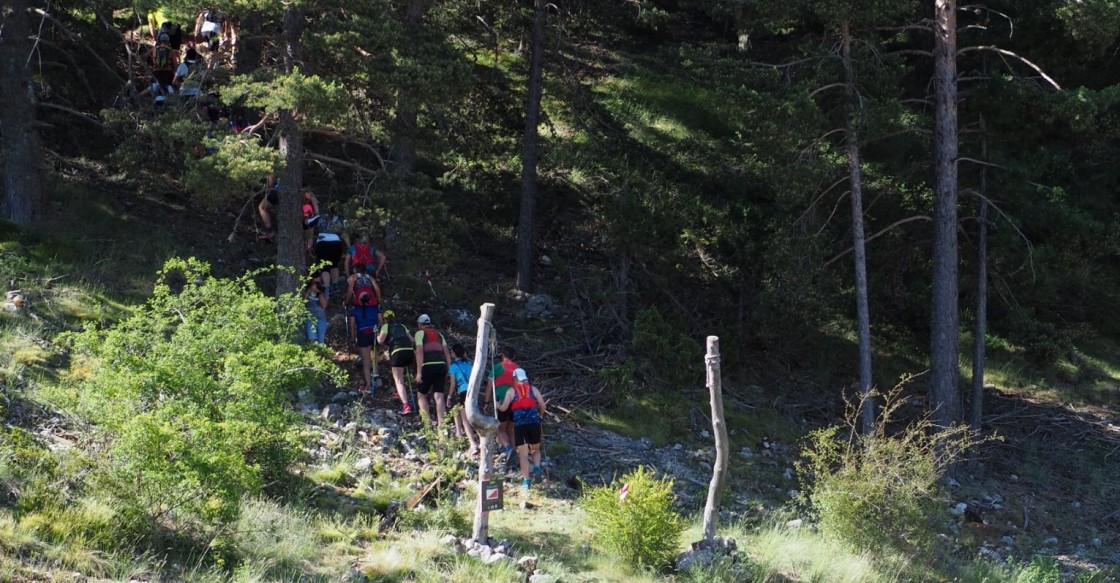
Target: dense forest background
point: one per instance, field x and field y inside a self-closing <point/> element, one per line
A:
<point x="691" y="153"/>
<point x="674" y="169"/>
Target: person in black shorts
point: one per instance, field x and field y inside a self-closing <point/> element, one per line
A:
<point x="330" y="247"/>
<point x="432" y="362"/>
<point x="397" y="341"/>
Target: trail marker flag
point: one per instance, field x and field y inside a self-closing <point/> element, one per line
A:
<point x="492" y="500"/>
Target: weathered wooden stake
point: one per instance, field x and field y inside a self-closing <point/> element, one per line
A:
<point x="719" y="429"/>
<point x="486" y="426"/>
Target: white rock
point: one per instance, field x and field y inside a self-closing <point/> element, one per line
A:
<point x="793" y="493"/>
<point x="449" y="539"/>
<point x="475" y="552"/>
<point x="953" y="483"/>
<point x="545" y="261"/>
<point x="485" y="552"/>
<point x="363" y="464"/>
<point x="1050" y="541"/>
<point x="959" y="509"/>
<point x="528" y="563"/>
<point x="1013" y="478"/>
<point x="705" y="434"/>
<point x="494" y="558"/>
<point x="331" y="412"/>
<point x="794" y="524"/>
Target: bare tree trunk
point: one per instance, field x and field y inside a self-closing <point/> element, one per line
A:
<point x="719" y="429"/>
<point x="944" y="313"/>
<point x="976" y="417"/>
<point x="855" y="180"/>
<point x="485" y="425"/>
<point x="404" y="124"/>
<point x="289" y="216"/>
<point x="526" y="220"/>
<point x="20" y="145"/>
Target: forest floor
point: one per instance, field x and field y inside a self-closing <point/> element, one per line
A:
<point x="1049" y="486"/>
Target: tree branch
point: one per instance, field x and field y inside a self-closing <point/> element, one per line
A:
<point x="1023" y="236"/>
<point x="349" y="140"/>
<point x="75" y="112"/>
<point x="338" y="161"/>
<point x="78" y="40"/>
<point x="1008" y="53"/>
<point x="876" y="235"/>
<point x="814" y="92"/>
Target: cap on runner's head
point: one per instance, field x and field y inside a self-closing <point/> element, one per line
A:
<point x="520" y="375"/>
<point x="423" y="319"/>
<point x="388" y="314"/>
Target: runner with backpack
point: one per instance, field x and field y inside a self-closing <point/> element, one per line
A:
<point x="363" y="252"/>
<point x="208" y="28"/>
<point x="397" y="340"/>
<point x="527" y="406"/>
<point x="432" y="362"/>
<point x="361" y="281"/>
<point x="331" y="247"/>
<point x="188" y="75"/>
<point x="459" y="379"/>
<point x="500" y="382"/>
<point x="363" y="332"/>
<point x="164" y="62"/>
<point x="268" y="202"/>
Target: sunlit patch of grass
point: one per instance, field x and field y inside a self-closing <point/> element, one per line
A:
<point x="800" y="555"/>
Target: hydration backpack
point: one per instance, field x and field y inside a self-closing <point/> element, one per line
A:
<point x="363" y="254"/>
<point x="398" y="337"/>
<point x="364" y="284"/>
<point x="163" y="59"/>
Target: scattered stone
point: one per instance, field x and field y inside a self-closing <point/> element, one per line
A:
<point x="794" y="524"/>
<point x="788" y="474"/>
<point x="540" y="306"/>
<point x="363" y="464"/>
<point x="646" y="442"/>
<point x="705" y="434"/>
<point x="746" y="453"/>
<point x="1075" y="505"/>
<point x="353" y="576"/>
<point x="340" y="397"/>
<point x="1013" y="478"/>
<point x="462" y="317"/>
<point x="541" y="578"/>
<point x="1050" y="541"/>
<point x="331" y="412"/>
<point x="503" y="547"/>
<point x="958" y="509"/>
<point x="1097" y="542"/>
<point x="15" y="301"/>
<point x="485" y="552"/>
<point x="449" y="540"/>
<point x="475" y="552"/>
<point x="494" y="558"/>
<point x="545" y="261"/>
<point x="793" y="493"/>
<point x="528" y="563"/>
<point x="559" y="330"/>
<point x="678" y="446"/>
<point x="694" y="559"/>
<point x="1007" y="540"/>
<point x="953" y="483"/>
<point x="526" y="505"/>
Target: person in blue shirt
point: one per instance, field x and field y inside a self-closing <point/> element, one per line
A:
<point x="459" y="376"/>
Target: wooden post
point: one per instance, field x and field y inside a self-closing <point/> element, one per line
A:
<point x="485" y="425"/>
<point x="719" y="429"/>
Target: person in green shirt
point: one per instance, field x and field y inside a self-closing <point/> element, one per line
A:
<point x="501" y="380"/>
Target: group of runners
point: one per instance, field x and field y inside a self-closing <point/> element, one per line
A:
<point x="348" y="267"/>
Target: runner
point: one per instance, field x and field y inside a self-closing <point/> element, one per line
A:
<point x="500" y="381"/>
<point x="432" y="361"/>
<point x="527" y="406"/>
<point x="459" y="381"/>
<point x="363" y="330"/>
<point x="316" y="302"/>
<point x="397" y="340"/>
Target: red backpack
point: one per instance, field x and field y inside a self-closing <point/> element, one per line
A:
<point x="363" y="254"/>
<point x="364" y="284"/>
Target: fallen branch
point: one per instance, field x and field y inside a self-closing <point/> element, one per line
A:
<point x="74" y="112"/>
<point x="412" y="502"/>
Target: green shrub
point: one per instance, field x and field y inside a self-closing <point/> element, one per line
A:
<point x="665" y="353"/>
<point x="444" y="517"/>
<point x="641" y="528"/>
<point x="880" y="490"/>
<point x="1040" y="570"/>
<point x="191" y="392"/>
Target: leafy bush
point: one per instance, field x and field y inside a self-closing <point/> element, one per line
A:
<point x="640" y="528"/>
<point x="881" y="490"/>
<point x="665" y="352"/>
<point x="1040" y="570"/>
<point x="191" y="392"/>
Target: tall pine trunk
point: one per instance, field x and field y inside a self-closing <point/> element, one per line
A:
<point x="19" y="148"/>
<point x="855" y="181"/>
<point x="405" y="122"/>
<point x="976" y="417"/>
<point x="525" y="222"/>
<point x="944" y="339"/>
<point x="289" y="216"/>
